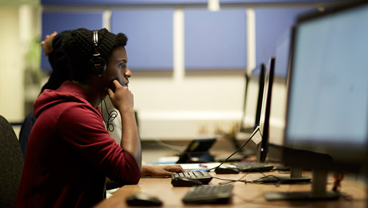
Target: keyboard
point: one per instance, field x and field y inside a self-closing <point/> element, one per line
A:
<point x="253" y="166"/>
<point x="217" y="194"/>
<point x="203" y="176"/>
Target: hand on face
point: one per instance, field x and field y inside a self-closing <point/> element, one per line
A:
<point x="121" y="97"/>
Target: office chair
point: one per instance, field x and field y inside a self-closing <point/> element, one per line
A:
<point x="25" y="131"/>
<point x="11" y="164"/>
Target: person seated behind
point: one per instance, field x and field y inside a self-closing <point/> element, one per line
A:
<point x="70" y="153"/>
<point x="60" y="73"/>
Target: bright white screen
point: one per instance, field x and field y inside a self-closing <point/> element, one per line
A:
<point x="329" y="95"/>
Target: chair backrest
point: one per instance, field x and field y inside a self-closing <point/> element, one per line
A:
<point x="25" y="131"/>
<point x="11" y="164"/>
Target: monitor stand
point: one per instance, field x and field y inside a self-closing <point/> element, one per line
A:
<point x="318" y="191"/>
<point x="295" y="177"/>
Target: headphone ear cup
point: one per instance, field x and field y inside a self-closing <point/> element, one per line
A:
<point x="97" y="65"/>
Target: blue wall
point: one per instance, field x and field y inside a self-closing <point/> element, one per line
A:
<point x="271" y="25"/>
<point x="213" y="40"/>
<point x="150" y="37"/>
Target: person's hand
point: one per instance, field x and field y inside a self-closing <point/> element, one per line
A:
<point x="160" y="171"/>
<point x="122" y="98"/>
<point x="47" y="44"/>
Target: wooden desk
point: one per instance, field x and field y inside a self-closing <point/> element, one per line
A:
<point x="244" y="195"/>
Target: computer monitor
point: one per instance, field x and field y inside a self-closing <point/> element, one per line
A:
<point x="282" y="65"/>
<point x="242" y="122"/>
<point x="243" y="129"/>
<point x="252" y="106"/>
<point x="270" y="146"/>
<point x="253" y="99"/>
<point x="261" y="81"/>
<point x="264" y="124"/>
<point x="261" y="131"/>
<point x="327" y="105"/>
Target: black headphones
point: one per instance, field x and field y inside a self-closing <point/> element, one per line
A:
<point x="97" y="64"/>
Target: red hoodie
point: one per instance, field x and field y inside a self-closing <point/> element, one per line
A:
<point x="70" y="153"/>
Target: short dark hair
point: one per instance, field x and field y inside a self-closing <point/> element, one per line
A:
<point x="78" y="46"/>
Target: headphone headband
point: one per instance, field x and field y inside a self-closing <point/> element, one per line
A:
<point x="95" y="38"/>
<point x="97" y="63"/>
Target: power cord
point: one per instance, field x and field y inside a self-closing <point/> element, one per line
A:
<point x="215" y="168"/>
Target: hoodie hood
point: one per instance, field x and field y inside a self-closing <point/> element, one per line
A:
<point x="67" y="92"/>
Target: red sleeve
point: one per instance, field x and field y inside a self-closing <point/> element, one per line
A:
<point x="83" y="129"/>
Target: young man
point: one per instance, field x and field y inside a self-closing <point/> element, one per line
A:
<point x="70" y="153"/>
<point x="60" y="73"/>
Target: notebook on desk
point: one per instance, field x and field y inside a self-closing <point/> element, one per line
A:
<point x="198" y="166"/>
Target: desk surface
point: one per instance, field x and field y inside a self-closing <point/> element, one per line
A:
<point x="244" y="195"/>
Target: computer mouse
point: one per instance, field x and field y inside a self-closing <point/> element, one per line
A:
<point x="226" y="170"/>
<point x="143" y="200"/>
<point x="185" y="182"/>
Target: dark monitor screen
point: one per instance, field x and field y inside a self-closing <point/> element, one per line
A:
<point x="254" y="98"/>
<point x="262" y="147"/>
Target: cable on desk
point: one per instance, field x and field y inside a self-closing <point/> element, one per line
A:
<point x="251" y="136"/>
<point x="233" y="180"/>
<point x="277" y="183"/>
<point x="239" y="180"/>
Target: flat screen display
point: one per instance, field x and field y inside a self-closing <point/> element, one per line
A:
<point x="328" y="88"/>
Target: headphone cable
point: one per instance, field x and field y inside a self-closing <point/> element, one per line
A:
<point x="110" y="115"/>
